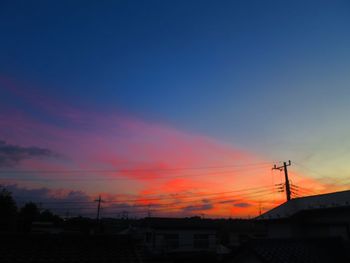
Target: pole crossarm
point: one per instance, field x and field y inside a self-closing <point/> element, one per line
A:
<point x="287" y="184"/>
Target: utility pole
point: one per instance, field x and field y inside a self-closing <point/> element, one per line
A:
<point x="284" y="168"/>
<point x="149" y="210"/>
<point x="67" y="214"/>
<point x="99" y="201"/>
<point x="260" y="212"/>
<point x="125" y="215"/>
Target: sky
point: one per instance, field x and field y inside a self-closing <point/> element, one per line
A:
<point x="175" y="107"/>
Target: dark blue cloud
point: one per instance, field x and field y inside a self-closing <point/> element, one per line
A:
<point x="12" y="155"/>
<point x="242" y="205"/>
<point x="197" y="207"/>
<point x="227" y="201"/>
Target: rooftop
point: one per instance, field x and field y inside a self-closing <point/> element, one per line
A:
<point x="290" y="208"/>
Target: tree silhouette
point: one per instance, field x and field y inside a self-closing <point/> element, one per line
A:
<point x="48" y="216"/>
<point x="27" y="215"/>
<point x="8" y="210"/>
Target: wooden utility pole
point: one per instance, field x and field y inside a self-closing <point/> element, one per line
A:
<point x="149" y="210"/>
<point x="284" y="168"/>
<point x="99" y="201"/>
<point x="260" y="212"/>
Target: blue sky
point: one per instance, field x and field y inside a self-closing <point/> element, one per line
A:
<point x="222" y="62"/>
<point x="268" y="76"/>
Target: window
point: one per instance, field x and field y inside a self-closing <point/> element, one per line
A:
<point x="171" y="241"/>
<point x="201" y="241"/>
<point x="148" y="237"/>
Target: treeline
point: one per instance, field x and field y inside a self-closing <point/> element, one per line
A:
<point x="15" y="219"/>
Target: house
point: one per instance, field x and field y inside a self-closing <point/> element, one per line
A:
<point x="307" y="229"/>
<point x="320" y="250"/>
<point x="336" y="199"/>
<point x="326" y="215"/>
<point x="233" y="232"/>
<point x="179" y="235"/>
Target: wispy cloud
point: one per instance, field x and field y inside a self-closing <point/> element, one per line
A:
<point x="242" y="205"/>
<point x="228" y="201"/>
<point x="11" y="155"/>
<point x="197" y="207"/>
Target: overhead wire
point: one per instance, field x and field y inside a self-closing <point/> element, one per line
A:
<point x="196" y="207"/>
<point x="127" y="177"/>
<point x="172" y="197"/>
<point x="134" y="170"/>
<point x="118" y="205"/>
<point x="254" y="192"/>
<point x="177" y="206"/>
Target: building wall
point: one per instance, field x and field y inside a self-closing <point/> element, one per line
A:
<point x="170" y="241"/>
<point x="290" y="229"/>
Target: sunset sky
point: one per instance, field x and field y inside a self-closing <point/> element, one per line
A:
<point x="175" y="108"/>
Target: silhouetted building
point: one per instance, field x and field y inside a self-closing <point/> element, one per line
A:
<point x="45" y="228"/>
<point x="326" y="215"/>
<point x="296" y="205"/>
<point x="319" y="250"/>
<point x="179" y="235"/>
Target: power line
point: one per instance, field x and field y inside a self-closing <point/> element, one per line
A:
<point x="193" y="204"/>
<point x="125" y="177"/>
<point x="117" y="206"/>
<point x="132" y="170"/>
<point x="120" y="205"/>
<point x="315" y="172"/>
<point x="178" y="207"/>
<point x="188" y="195"/>
<point x="306" y="191"/>
<point x="302" y="190"/>
<point x="247" y="193"/>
